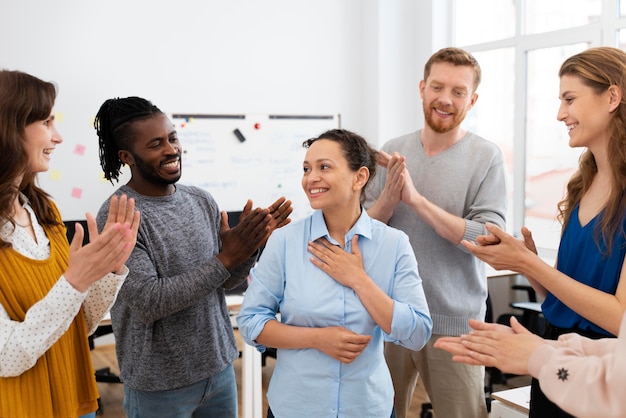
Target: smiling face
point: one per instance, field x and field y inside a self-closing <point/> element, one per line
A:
<point x="40" y="139"/>
<point x="154" y="157"/>
<point x="447" y="95"/>
<point x="328" y="181"/>
<point x="586" y="112"/>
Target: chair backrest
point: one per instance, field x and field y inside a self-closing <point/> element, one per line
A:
<point x="71" y="229"/>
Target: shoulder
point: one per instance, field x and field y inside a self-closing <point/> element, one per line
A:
<point x="401" y="142"/>
<point x="54" y="209"/>
<point x="382" y="231"/>
<point x="195" y="192"/>
<point x="480" y="143"/>
<point x="104" y="207"/>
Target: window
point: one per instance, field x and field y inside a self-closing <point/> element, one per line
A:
<point x="520" y="46"/>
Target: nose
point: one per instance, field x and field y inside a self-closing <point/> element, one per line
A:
<point x="172" y="148"/>
<point x="56" y="136"/>
<point x="446" y="98"/>
<point x="561" y="114"/>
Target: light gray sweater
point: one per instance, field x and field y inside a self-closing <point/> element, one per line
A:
<point x="170" y="320"/>
<point x="467" y="180"/>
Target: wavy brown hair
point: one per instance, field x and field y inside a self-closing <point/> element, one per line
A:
<point x="601" y="68"/>
<point x="24" y="99"/>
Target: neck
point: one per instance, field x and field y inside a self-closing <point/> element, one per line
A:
<point x="435" y="142"/>
<point x="341" y="221"/>
<point x="151" y="189"/>
<point x="20" y="215"/>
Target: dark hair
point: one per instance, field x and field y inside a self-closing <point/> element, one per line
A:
<point x="454" y="56"/>
<point x="355" y="148"/>
<point x="600" y="68"/>
<point x="24" y="99"/>
<point x="114" y="126"/>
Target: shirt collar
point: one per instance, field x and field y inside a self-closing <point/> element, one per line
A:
<point x="363" y="227"/>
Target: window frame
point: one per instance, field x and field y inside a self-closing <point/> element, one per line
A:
<point x="603" y="32"/>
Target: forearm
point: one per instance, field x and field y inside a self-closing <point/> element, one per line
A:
<point x="446" y="225"/>
<point x="381" y="210"/>
<point x="601" y="308"/>
<point x="378" y="304"/>
<point x="240" y="273"/>
<point x="581" y="385"/>
<point x="23" y="342"/>
<point x="152" y="297"/>
<point x="101" y="297"/>
<point x="278" y="335"/>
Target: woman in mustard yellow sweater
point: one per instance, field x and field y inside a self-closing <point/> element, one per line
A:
<point x="52" y="293"/>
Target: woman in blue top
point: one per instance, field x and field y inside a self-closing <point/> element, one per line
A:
<point x="585" y="293"/>
<point x="344" y="283"/>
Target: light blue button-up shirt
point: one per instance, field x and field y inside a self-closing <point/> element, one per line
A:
<point x="307" y="382"/>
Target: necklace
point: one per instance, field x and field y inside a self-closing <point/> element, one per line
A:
<point x="27" y="224"/>
<point x="23" y="226"/>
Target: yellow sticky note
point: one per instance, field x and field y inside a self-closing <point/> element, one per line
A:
<point x="59" y="117"/>
<point x="55" y="175"/>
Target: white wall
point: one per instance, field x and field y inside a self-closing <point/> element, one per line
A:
<point x="360" y="58"/>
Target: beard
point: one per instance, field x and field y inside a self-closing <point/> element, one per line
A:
<point x="147" y="172"/>
<point x="439" y="125"/>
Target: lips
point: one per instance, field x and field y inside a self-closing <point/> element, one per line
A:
<point x="171" y="165"/>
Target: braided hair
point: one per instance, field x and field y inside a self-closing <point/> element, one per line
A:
<point x="114" y="126"/>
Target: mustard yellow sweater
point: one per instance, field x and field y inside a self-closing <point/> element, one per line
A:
<point x="62" y="382"/>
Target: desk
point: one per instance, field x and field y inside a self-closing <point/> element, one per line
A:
<point x="512" y="403"/>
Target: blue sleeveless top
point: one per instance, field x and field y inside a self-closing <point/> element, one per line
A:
<point x="580" y="258"/>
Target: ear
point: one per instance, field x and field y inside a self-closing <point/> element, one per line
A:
<point x="126" y="157"/>
<point x="361" y="177"/>
<point x="615" y="97"/>
<point x="473" y="99"/>
<point x="422" y="86"/>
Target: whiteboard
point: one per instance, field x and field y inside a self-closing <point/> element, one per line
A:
<point x="248" y="156"/>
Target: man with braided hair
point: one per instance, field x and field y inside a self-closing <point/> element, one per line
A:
<point x="174" y="339"/>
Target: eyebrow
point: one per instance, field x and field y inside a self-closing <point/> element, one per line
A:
<point x="319" y="160"/>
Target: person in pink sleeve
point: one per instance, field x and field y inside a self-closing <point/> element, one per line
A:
<point x="584" y="377"/>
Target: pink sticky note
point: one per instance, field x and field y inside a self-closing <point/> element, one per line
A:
<point x="76" y="192"/>
<point x="79" y="149"/>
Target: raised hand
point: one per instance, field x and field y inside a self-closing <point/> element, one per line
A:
<point x="107" y="251"/>
<point x="391" y="194"/>
<point x="280" y="211"/>
<point x="528" y="239"/>
<point x="241" y="241"/>
<point x="507" y="254"/>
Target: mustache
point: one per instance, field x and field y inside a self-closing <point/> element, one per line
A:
<point x="171" y="159"/>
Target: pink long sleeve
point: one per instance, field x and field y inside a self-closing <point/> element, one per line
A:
<point x="584" y="377"/>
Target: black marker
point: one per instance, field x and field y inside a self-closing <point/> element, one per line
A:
<point x="239" y="135"/>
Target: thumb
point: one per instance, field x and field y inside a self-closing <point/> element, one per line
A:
<point x="517" y="327"/>
<point x="355" y="245"/>
<point x="77" y="239"/>
<point x="495" y="230"/>
<point x="224" y="223"/>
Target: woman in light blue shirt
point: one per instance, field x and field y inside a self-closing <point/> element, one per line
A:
<point x="344" y="284"/>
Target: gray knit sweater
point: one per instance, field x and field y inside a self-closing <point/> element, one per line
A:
<point x="467" y="180"/>
<point x="170" y="319"/>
